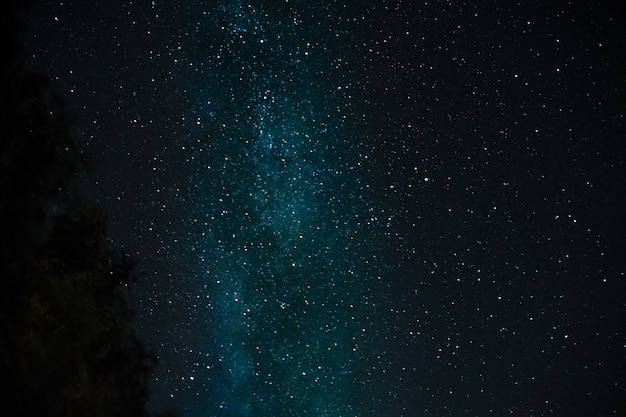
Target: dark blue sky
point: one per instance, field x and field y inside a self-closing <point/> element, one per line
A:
<point x="359" y="209"/>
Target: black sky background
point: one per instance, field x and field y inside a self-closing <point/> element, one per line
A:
<point x="489" y="140"/>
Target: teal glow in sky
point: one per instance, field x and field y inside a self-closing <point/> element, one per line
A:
<point x="363" y="208"/>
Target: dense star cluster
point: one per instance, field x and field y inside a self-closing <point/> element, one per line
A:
<point x="281" y="221"/>
<point x="360" y="208"/>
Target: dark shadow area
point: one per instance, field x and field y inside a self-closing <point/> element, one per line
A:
<point x="66" y="344"/>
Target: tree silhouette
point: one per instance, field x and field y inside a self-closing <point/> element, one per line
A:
<point x="66" y="345"/>
<point x="74" y="350"/>
<point x="38" y="160"/>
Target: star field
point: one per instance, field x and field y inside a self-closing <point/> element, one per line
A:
<point x="359" y="209"/>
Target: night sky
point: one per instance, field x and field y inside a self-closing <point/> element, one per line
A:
<point x="358" y="209"/>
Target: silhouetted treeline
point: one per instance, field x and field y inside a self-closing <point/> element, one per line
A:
<point x="66" y="346"/>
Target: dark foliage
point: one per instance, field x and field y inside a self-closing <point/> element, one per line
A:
<point x="71" y="343"/>
<point x="66" y="347"/>
<point x="38" y="160"/>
